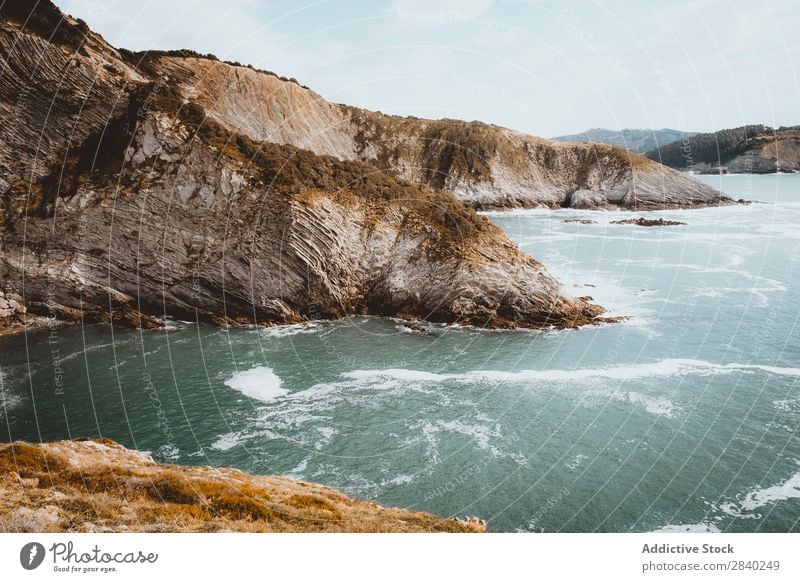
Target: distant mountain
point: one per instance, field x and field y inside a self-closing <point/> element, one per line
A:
<point x="750" y="149"/>
<point x="635" y="140"/>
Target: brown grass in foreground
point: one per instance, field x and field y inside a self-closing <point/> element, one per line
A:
<point x="99" y="485"/>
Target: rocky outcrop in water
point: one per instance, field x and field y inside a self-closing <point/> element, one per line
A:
<point x="132" y="191"/>
<point x="649" y="222"/>
<point x="97" y="485"/>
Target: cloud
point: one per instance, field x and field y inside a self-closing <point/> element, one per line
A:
<point x="225" y="29"/>
<point x="705" y="64"/>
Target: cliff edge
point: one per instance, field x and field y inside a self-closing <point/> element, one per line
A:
<point x="97" y="485"/>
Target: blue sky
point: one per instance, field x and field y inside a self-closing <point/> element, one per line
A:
<point x="542" y="67"/>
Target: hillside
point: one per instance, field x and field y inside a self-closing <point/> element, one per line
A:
<point x="750" y="149"/>
<point x="97" y="485"/>
<point x="635" y="140"/>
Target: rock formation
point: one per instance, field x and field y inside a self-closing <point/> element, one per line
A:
<point x="485" y="166"/>
<point x="649" y="222"/>
<point x="137" y="186"/>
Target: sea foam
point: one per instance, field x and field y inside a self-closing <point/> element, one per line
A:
<point x="688" y="528"/>
<point x="789" y="489"/>
<point x="260" y="383"/>
<point x="662" y="368"/>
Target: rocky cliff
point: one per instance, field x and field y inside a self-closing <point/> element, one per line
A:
<point x="485" y="166"/>
<point x="97" y="485"/>
<point x="136" y="186"/>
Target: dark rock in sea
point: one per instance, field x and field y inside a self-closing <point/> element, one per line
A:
<point x="649" y="222"/>
<point x="415" y="329"/>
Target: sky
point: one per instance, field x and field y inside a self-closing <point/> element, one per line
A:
<point x="543" y="67"/>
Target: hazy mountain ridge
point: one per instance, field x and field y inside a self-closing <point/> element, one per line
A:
<point x="635" y="140"/>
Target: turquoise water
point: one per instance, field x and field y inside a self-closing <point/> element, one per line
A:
<point x="683" y="417"/>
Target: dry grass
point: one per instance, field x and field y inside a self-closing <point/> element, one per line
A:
<point x="98" y="485"/>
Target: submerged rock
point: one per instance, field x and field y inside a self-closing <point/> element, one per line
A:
<point x="649" y="222"/>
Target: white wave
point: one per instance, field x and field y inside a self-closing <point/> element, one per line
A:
<point x="688" y="528"/>
<point x="326" y="435"/>
<point x="315" y="392"/>
<point x="260" y="383"/>
<point x="790" y="489"/>
<point x="7" y="403"/>
<point x="662" y="368"/>
<point x="658" y="405"/>
<point x="399" y="480"/>
<point x="170" y="452"/>
<point x="7" y="399"/>
<point x="395" y="374"/>
<point x="786" y="405"/>
<point x="297" y="472"/>
<point x="287" y="330"/>
<point x="516" y="212"/>
<point x="576" y="462"/>
<point x="86" y="350"/>
<point x="226" y="441"/>
<point x="653" y="405"/>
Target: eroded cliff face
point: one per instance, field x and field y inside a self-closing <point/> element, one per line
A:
<point x="97" y="485"/>
<point x="483" y="165"/>
<point x="140" y="204"/>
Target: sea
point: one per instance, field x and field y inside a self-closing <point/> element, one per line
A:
<point x="682" y="417"/>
